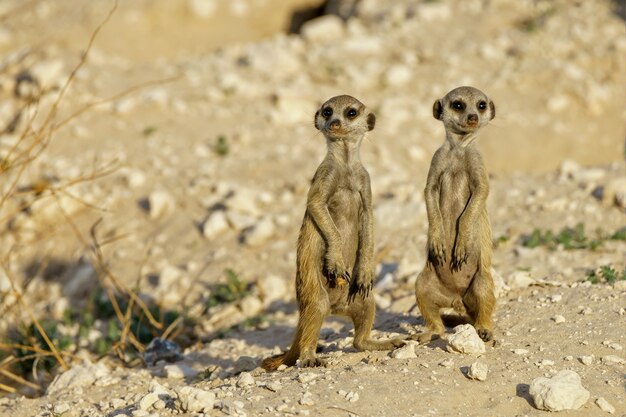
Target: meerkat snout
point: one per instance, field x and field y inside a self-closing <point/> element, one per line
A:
<point x="464" y="110"/>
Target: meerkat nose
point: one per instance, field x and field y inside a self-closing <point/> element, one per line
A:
<point x="335" y="124"/>
<point x="472" y="118"/>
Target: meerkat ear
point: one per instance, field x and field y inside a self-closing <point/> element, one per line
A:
<point x="371" y="121"/>
<point x="492" y="107"/>
<point x="437" y="109"/>
<point x="317" y="113"/>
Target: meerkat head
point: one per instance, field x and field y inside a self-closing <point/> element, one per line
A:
<point x="464" y="110"/>
<point x="344" y="117"/>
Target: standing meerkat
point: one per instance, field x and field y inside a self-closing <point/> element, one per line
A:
<point x="335" y="254"/>
<point x="457" y="272"/>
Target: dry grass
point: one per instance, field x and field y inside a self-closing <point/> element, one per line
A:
<point x="32" y="142"/>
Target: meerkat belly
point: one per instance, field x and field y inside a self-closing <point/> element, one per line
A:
<point x="454" y="197"/>
<point x="344" y="208"/>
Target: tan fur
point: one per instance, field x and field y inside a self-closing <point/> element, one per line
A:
<point x="335" y="254"/>
<point x="457" y="272"/>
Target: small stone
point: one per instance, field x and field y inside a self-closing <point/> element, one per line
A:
<point x="306" y="377"/>
<point x="160" y="349"/>
<point x="520" y="351"/>
<point x="447" y="363"/>
<point x="323" y="29"/>
<point x="613" y="360"/>
<point x="195" y="400"/>
<point x="558" y="319"/>
<point x="245" y="364"/>
<point x="215" y="225"/>
<point x="466" y="340"/>
<point x="61" y="408"/>
<point x="202" y="8"/>
<point x="555" y="298"/>
<point x="586" y="311"/>
<point x="586" y="360"/>
<point x="260" y="232"/>
<point x="605" y="405"/>
<point x="398" y="75"/>
<point x="245" y="380"/>
<point x="352" y="396"/>
<point x="478" y="371"/>
<point x="563" y="391"/>
<point x="179" y="371"/>
<point x="118" y="403"/>
<point x="274" y="386"/>
<point x="558" y="102"/>
<point x="77" y="376"/>
<point x="520" y="279"/>
<point x="405" y="352"/>
<point x="307" y="399"/>
<point x="160" y="203"/>
<point x="48" y="74"/>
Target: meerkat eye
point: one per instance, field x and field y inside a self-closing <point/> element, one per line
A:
<point x="482" y="105"/>
<point x="327" y="112"/>
<point x="458" y="105"/>
<point x="351" y="113"/>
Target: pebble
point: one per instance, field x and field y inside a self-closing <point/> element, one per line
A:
<point x="613" y="360"/>
<point x="558" y="319"/>
<point x="466" y="340"/>
<point x="215" y="225"/>
<point x="323" y="29"/>
<point x="195" y="400"/>
<point x="405" y="352"/>
<point x="307" y="399"/>
<point x="605" y="405"/>
<point x="160" y="203"/>
<point x="245" y="380"/>
<point x="202" y="8"/>
<point x="179" y="371"/>
<point x="520" y="279"/>
<point x="478" y="371"/>
<point x="274" y="386"/>
<point x="260" y="232"/>
<point x="520" y="351"/>
<point x="306" y="377"/>
<point x="563" y="391"/>
<point x="77" y="376"/>
<point x="586" y="360"/>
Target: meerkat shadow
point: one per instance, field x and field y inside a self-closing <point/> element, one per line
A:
<point x="522" y="391"/>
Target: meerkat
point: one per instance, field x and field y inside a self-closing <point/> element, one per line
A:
<point x="335" y="252"/>
<point x="457" y="272"/>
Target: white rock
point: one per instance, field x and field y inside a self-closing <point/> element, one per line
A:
<point x="48" y="73"/>
<point x="260" y="232"/>
<point x="558" y="102"/>
<point x="586" y="360"/>
<point x="147" y="401"/>
<point x="398" y="75"/>
<point x="243" y="201"/>
<point x="195" y="400"/>
<point x="77" y="376"/>
<point x="307" y="399"/>
<point x="216" y="224"/>
<point x="202" y="8"/>
<point x="558" y="319"/>
<point x="478" y="370"/>
<point x="245" y="380"/>
<point x="323" y="29"/>
<point x="306" y="377"/>
<point x="520" y="279"/>
<point x="161" y="203"/>
<point x="466" y="340"/>
<point x="605" y="405"/>
<point x="352" y="396"/>
<point x="613" y="360"/>
<point x="563" y="391"/>
<point x="405" y="352"/>
<point x="272" y="288"/>
<point x="245" y="364"/>
<point x="500" y="288"/>
<point x="274" y="386"/>
<point x="179" y="371"/>
<point x="434" y="11"/>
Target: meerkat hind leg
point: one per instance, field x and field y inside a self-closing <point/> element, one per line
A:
<point x="362" y="313"/>
<point x="480" y="301"/>
<point x="430" y="301"/>
<point x="309" y="326"/>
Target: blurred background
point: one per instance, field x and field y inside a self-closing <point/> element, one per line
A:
<point x="169" y="176"/>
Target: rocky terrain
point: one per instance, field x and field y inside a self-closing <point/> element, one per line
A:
<point x="172" y="175"/>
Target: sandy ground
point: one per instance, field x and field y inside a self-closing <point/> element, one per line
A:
<point x="555" y="153"/>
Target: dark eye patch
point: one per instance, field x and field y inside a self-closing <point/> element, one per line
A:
<point x="327" y="112"/>
<point x="457" y="105"/>
<point x="351" y="113"/>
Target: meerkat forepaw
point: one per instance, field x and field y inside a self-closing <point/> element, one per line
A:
<point x="312" y="363"/>
<point x="336" y="273"/>
<point x="485" y="334"/>
<point x="362" y="284"/>
<point x="437" y="252"/>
